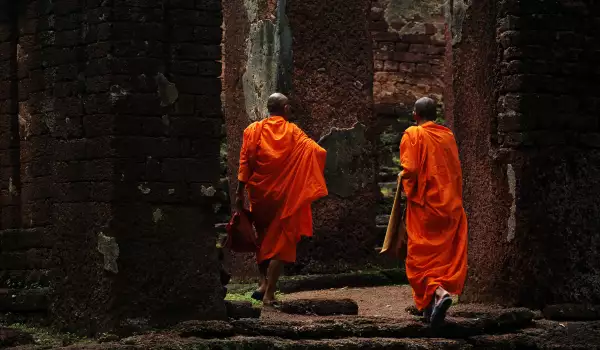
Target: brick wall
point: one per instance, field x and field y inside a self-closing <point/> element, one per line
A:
<point x="408" y="62"/>
<point x="119" y="127"/>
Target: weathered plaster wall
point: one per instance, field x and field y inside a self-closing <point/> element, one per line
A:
<point x="329" y="79"/>
<point x="256" y="52"/>
<point x="332" y="88"/>
<point x="485" y="191"/>
<point x="525" y="115"/>
<point x="118" y="157"/>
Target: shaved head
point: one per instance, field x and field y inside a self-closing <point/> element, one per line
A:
<point x="426" y="109"/>
<point x="277" y="103"/>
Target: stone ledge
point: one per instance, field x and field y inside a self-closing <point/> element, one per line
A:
<point x="12" y="337"/>
<point x="455" y="328"/>
<point x="241" y="309"/>
<point x="265" y="343"/>
<point x="572" y="312"/>
<point x="351" y="279"/>
<point x="320" y="307"/>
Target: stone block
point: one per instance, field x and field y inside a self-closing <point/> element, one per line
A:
<point x="241" y="309"/>
<point x="12" y="337"/>
<point x="390" y="66"/>
<point x="410" y="57"/>
<point x="321" y="307"/>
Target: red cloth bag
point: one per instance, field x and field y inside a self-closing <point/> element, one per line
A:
<point x="241" y="237"/>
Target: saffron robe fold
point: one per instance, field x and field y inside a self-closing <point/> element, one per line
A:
<point x="435" y="218"/>
<point x="286" y="178"/>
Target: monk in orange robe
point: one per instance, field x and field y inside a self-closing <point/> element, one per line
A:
<point x="282" y="170"/>
<point x="436" y="223"/>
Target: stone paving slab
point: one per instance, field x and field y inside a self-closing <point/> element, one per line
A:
<point x="320" y="307"/>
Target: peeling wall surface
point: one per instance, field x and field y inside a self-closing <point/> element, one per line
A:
<point x="109" y="145"/>
<point x="525" y="114"/>
<point x="317" y="54"/>
<point x="332" y="87"/>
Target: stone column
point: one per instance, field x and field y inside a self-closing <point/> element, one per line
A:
<point x="526" y="118"/>
<point x="319" y="53"/>
<point x="119" y="118"/>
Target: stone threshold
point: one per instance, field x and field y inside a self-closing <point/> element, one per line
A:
<point x="359" y="279"/>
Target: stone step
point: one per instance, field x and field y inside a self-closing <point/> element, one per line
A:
<point x="493" y="322"/>
<point x="221" y="227"/>
<point x="24" y="300"/>
<point x="387" y="177"/>
<point x="10" y="337"/>
<point x="359" y="279"/>
<point x="381" y="230"/>
<point x="382" y="220"/>
<point x="320" y="307"/>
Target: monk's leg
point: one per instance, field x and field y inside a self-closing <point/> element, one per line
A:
<point x="263" y="268"/>
<point x="273" y="273"/>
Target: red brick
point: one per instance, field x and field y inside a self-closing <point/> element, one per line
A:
<point x="382" y="55"/>
<point x="384" y="36"/>
<point x="410" y="57"/>
<point x="423" y="68"/>
<point x="402" y="47"/>
<point x="406" y="67"/>
<point x="390" y="66"/>
<point x="378" y="64"/>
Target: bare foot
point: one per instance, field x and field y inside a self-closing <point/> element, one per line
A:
<point x="270" y="302"/>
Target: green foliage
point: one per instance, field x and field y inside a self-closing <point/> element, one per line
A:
<point x="247" y="296"/>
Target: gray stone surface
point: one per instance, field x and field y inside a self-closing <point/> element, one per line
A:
<point x="343" y="172"/>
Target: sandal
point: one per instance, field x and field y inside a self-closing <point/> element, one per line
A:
<point x="438" y="314"/>
<point x="257" y="295"/>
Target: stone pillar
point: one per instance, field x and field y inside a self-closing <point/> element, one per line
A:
<point x="119" y="119"/>
<point x="526" y="119"/>
<point x="319" y="53"/>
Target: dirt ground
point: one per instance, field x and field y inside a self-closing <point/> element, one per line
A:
<point x="385" y="302"/>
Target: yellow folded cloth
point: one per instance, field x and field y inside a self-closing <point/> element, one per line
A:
<point x="396" y="237"/>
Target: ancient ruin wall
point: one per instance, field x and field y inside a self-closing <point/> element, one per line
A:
<point x="408" y="51"/>
<point x="119" y="117"/>
<point x="332" y="88"/>
<point x="248" y="28"/>
<point x="525" y="114"/>
<point x="319" y="54"/>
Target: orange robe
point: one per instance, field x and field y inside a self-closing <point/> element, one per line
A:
<point x="286" y="179"/>
<point x="435" y="218"/>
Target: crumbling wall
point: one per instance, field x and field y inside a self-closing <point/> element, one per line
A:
<point x="119" y="122"/>
<point x="329" y="80"/>
<point x="408" y="51"/>
<point x="525" y="115"/>
<point x="332" y="84"/>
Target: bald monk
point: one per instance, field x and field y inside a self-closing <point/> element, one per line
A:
<point x="436" y="224"/>
<point x="282" y="170"/>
